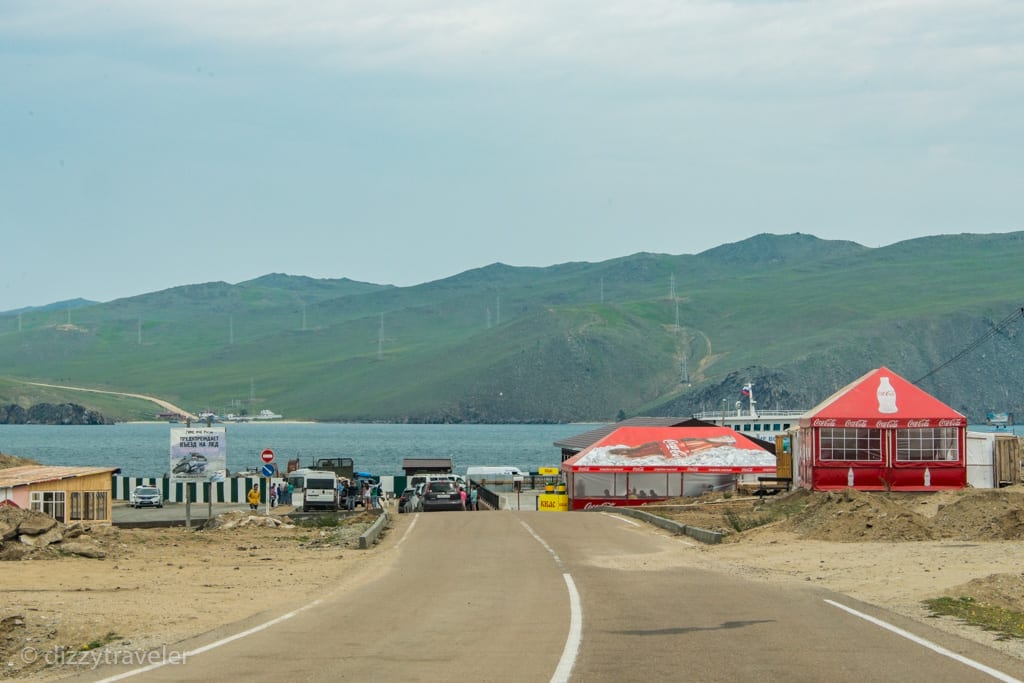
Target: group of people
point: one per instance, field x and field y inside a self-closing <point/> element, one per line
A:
<point x="279" y="494"/>
<point x="470" y="499"/>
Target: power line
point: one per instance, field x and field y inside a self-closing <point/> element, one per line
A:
<point x="1005" y="322"/>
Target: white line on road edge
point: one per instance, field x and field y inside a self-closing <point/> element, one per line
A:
<point x="994" y="673"/>
<point x="572" y="640"/>
<point x="408" y="530"/>
<point x="211" y="646"/>
<point x="624" y="519"/>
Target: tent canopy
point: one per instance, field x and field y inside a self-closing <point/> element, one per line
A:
<point x="715" y="449"/>
<point x="882" y="399"/>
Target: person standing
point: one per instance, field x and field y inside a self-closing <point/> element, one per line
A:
<point x="366" y="495"/>
<point x="474" y="498"/>
<point x="273" y="495"/>
<point x="374" y="496"/>
<point x="462" y="495"/>
<point x="253" y="497"/>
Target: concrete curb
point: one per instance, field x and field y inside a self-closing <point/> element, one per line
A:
<point x="696" y="533"/>
<point x="370" y="536"/>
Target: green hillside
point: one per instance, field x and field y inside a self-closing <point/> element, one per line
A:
<point x="797" y="315"/>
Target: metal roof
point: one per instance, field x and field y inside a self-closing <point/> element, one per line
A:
<point x="427" y="463"/>
<point x="584" y="440"/>
<point x="34" y="474"/>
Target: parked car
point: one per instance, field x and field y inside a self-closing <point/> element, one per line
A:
<point x="410" y="500"/>
<point x="146" y="496"/>
<point x="441" y="495"/>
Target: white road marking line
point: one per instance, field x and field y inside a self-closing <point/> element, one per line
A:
<point x="211" y="646"/>
<point x="625" y="519"/>
<point x="572" y="640"/>
<point x="540" y="540"/>
<point x="994" y="673"/>
<point x="408" y="530"/>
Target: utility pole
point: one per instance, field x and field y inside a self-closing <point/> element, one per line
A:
<point x="380" y="338"/>
<point x="231" y="330"/>
<point x="140" y="331"/>
<point x="602" y="290"/>
<point x="303" y="317"/>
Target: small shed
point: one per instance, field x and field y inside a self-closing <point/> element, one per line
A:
<point x="68" y="494"/>
<point x="881" y="433"/>
<point x="638" y="465"/>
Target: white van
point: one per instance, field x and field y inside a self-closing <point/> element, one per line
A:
<point x="504" y="473"/>
<point x="319" y="489"/>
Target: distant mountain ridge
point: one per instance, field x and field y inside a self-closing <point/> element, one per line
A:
<point x="652" y="334"/>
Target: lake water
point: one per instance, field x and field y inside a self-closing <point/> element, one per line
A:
<point x="143" y="449"/>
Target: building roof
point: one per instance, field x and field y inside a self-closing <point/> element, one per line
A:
<point x="581" y="441"/>
<point x="35" y="474"/>
<point x="881" y="398"/>
<point x="435" y="464"/>
<point x="703" y="448"/>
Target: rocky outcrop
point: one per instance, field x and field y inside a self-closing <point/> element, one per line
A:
<point x="51" y="414"/>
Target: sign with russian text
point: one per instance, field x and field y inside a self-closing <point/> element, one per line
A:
<point x="198" y="454"/>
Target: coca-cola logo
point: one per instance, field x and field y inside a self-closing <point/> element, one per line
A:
<point x="887" y="424"/>
<point x="830" y="422"/>
<point x="589" y="506"/>
<point x="951" y="422"/>
<point x="918" y="423"/>
<point x="856" y="424"/>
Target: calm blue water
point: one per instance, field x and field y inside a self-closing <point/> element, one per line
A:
<point x="143" y="450"/>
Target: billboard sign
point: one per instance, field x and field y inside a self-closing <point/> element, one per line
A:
<point x="198" y="454"/>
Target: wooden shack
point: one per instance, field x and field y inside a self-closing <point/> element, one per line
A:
<point x="68" y="494"/>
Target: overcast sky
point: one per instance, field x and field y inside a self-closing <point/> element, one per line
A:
<point x="145" y="145"/>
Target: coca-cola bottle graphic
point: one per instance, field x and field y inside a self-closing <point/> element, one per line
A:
<point x="886" y="396"/>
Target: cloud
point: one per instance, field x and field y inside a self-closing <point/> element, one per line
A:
<point x="841" y="40"/>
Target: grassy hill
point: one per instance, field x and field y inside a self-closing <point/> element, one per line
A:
<point x="797" y="315"/>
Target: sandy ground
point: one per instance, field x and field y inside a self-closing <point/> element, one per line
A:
<point x="158" y="587"/>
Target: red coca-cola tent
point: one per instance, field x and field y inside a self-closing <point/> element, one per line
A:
<point x="637" y="465"/>
<point x="881" y="433"/>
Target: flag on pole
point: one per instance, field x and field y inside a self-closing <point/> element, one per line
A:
<point x="746" y="389"/>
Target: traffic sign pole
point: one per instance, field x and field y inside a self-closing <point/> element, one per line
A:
<point x="267" y="456"/>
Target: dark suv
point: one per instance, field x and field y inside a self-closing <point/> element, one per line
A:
<point x="442" y="495"/>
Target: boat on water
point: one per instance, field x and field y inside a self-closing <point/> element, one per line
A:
<point x="267" y="415"/>
<point x="748" y="420"/>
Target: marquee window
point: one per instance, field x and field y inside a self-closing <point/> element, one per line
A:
<point x="49" y="503"/>
<point x="931" y="444"/>
<point x="846" y="443"/>
<point x="88" y="505"/>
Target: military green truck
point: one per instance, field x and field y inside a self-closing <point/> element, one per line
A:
<point x="345" y="468"/>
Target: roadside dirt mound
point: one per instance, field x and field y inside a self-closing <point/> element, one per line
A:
<point x="983" y="516"/>
<point x="851" y="515"/>
<point x="1000" y="590"/>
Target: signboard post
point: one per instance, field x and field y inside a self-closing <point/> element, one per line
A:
<point x="197" y="455"/>
<point x="267" y="456"/>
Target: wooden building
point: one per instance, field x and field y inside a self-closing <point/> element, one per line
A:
<point x="68" y="494"/>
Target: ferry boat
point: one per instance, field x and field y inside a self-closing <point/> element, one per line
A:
<point x="748" y="420"/>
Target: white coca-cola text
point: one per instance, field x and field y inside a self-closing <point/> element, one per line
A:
<point x="887" y="424"/>
<point x="830" y="422"/>
<point x="856" y="424"/>
<point x="951" y="422"/>
<point x="918" y="423"/>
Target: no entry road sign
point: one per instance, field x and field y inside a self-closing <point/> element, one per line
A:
<point x="267" y="455"/>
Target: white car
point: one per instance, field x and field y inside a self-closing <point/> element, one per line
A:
<point x="146" y="496"/>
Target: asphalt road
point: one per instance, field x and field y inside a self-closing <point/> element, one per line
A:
<point x="529" y="596"/>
